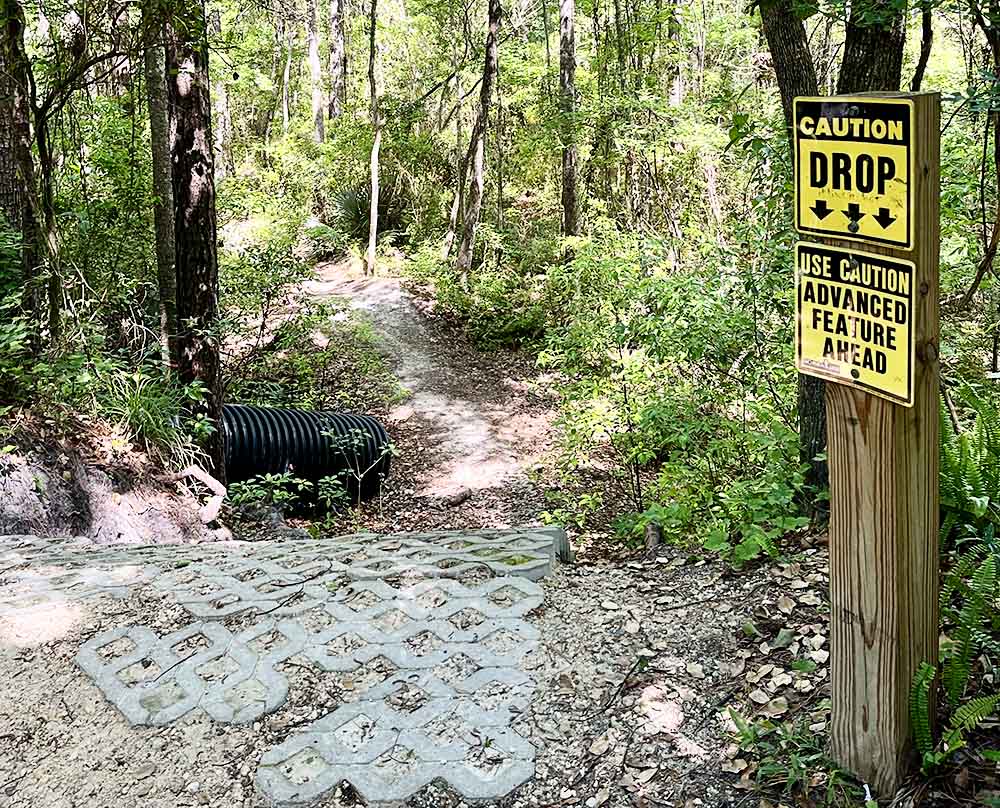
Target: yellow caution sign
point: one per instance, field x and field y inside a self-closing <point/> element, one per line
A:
<point x="854" y="314"/>
<point x="853" y="164"/>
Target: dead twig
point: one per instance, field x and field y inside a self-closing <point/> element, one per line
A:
<point x="641" y="663"/>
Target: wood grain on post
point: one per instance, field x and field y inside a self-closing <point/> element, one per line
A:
<point x="884" y="516"/>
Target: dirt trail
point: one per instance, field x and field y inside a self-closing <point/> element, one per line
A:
<point x="470" y="429"/>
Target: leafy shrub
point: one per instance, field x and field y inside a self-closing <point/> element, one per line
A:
<point x="279" y="490"/>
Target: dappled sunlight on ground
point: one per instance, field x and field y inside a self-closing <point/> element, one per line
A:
<point x="42" y="624"/>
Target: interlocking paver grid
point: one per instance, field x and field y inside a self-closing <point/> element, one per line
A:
<point x="444" y="655"/>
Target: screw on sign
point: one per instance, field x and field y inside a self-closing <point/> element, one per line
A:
<point x="866" y="197"/>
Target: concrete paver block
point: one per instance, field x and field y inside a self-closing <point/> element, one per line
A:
<point x="437" y="655"/>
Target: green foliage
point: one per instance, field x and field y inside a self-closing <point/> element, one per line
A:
<point x="970" y="616"/>
<point x="789" y="756"/>
<point x="920" y="708"/>
<point x="331" y="493"/>
<point x="970" y="470"/>
<point x="963" y="720"/>
<point x="279" y="490"/>
<point x="147" y="403"/>
<point x="351" y="447"/>
<point x="969" y="603"/>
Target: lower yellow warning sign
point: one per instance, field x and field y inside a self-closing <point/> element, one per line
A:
<point x="854" y="314"/>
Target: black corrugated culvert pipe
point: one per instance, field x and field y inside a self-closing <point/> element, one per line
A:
<point x="267" y="440"/>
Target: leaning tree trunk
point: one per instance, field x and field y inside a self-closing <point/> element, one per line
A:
<point x="154" y="68"/>
<point x="796" y="75"/>
<point x="376" y="143"/>
<point x="567" y="103"/>
<point x="477" y="147"/>
<point x="338" y="59"/>
<point x="315" y="71"/>
<point x="195" y="221"/>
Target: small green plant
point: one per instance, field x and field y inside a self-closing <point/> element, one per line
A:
<point x="279" y="490"/>
<point x="351" y="446"/>
<point x="789" y="757"/>
<point x="575" y="510"/>
<point x="968" y="604"/>
<point x="331" y="493"/>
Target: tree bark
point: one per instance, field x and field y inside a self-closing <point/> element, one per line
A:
<point x="376" y="142"/>
<point x="18" y="190"/>
<point x="315" y="71"/>
<point x="873" y="52"/>
<point x="286" y="78"/>
<point x="796" y="75"/>
<point x="265" y="119"/>
<point x="338" y="59"/>
<point x="926" y="43"/>
<point x="15" y="132"/>
<point x="567" y="103"/>
<point x="477" y="147"/>
<point x="154" y="68"/>
<point x="196" y="243"/>
<point x="461" y="163"/>
<point x="786" y="40"/>
<point x="224" y="165"/>
<point x="12" y="193"/>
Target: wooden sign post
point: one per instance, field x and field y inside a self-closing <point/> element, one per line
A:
<point x="867" y="187"/>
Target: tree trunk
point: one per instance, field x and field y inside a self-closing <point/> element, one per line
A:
<point x="477" y="147"/>
<point x="461" y="163"/>
<point x="286" y="78"/>
<point x="548" y="50"/>
<point x="926" y="43"/>
<point x="338" y="59"/>
<point x="376" y="142"/>
<point x="50" y="234"/>
<point x="224" y="165"/>
<point x="18" y="191"/>
<point x="315" y="71"/>
<point x="12" y="193"/>
<point x="195" y="221"/>
<point x="154" y="64"/>
<point x="786" y="39"/>
<point x="567" y="103"/>
<point x="873" y="54"/>
<point x="796" y="75"/>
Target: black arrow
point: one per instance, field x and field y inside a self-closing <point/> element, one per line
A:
<point x="821" y="209"/>
<point x="884" y="218"/>
<point x="853" y="212"/>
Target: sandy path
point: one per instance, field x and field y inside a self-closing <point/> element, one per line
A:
<point x="471" y="427"/>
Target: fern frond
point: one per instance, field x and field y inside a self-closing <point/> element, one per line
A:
<point x="920" y="710"/>
<point x="973" y="713"/>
